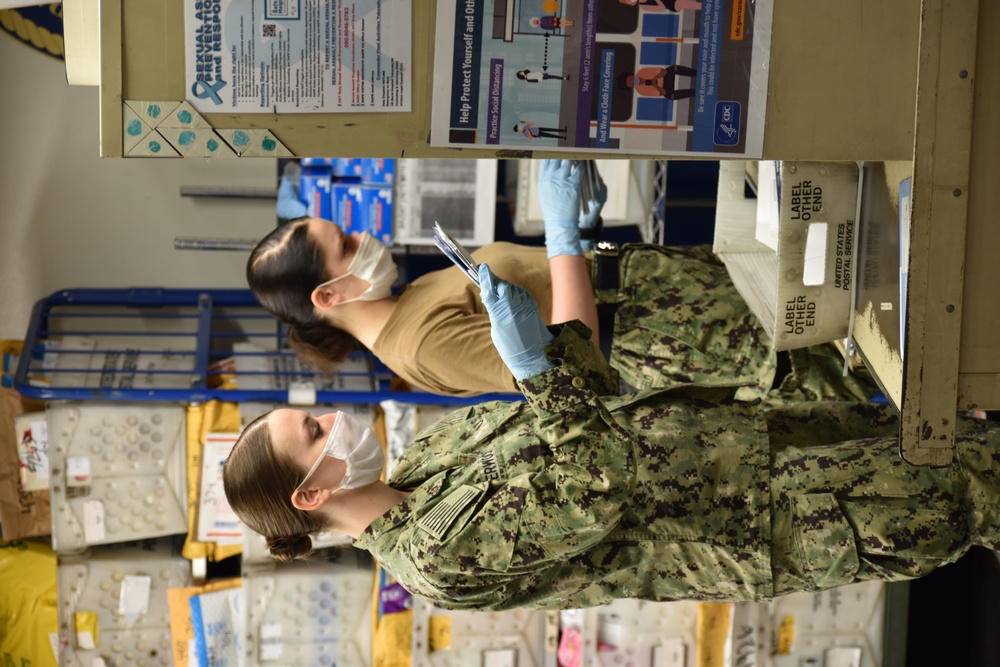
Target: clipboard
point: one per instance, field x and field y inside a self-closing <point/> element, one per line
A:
<point x="589" y="184"/>
<point x="456" y="253"/>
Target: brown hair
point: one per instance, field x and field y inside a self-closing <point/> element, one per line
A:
<point x="259" y="482"/>
<point x="282" y="271"/>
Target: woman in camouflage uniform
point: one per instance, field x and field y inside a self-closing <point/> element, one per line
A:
<point x="578" y="496"/>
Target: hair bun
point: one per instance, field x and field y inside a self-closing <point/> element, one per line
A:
<point x="289" y="547"/>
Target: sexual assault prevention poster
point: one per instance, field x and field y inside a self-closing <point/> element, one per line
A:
<point x="297" y="56"/>
<point x="661" y="77"/>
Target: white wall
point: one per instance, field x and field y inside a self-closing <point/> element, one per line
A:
<point x="71" y="219"/>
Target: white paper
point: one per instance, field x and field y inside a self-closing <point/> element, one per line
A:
<point x="270" y="630"/>
<point x="609" y="629"/>
<point x="93" y="521"/>
<point x="630" y="194"/>
<point x="270" y="651"/>
<point x="85" y="640"/>
<point x="56" y="644"/>
<point x="500" y="657"/>
<point x="814" y="263"/>
<point x="216" y="520"/>
<point x="768" y="205"/>
<point x="32" y="451"/>
<point x="220" y="631"/>
<point x="460" y="194"/>
<point x="271" y="56"/>
<point x="134" y="597"/>
<point x="41" y="463"/>
<point x="842" y="656"/>
<point x="271" y="642"/>
<point x="78" y="468"/>
<point x="106" y="368"/>
<point x="259" y="368"/>
<point x="40" y="431"/>
<point x="670" y="653"/>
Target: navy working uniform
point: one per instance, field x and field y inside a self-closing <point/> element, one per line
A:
<point x="578" y="497"/>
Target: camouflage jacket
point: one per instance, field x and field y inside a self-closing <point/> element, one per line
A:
<point x="576" y="497"/>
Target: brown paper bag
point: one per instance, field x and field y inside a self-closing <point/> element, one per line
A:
<point x="22" y="513"/>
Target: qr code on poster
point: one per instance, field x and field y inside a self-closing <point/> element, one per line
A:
<point x="269" y="30"/>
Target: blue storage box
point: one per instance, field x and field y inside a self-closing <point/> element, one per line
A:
<point x="376" y="202"/>
<point x="316" y="165"/>
<point x="347" y="167"/>
<point x="378" y="171"/>
<point x="314" y="190"/>
<point x="347" y="207"/>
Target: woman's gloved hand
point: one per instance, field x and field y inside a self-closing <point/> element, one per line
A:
<point x="559" y="197"/>
<point x="517" y="329"/>
<point x="589" y="220"/>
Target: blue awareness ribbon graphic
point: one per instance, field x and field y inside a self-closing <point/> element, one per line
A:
<point x="203" y="90"/>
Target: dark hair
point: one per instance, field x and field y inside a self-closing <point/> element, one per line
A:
<point x="523" y="74"/>
<point x="282" y="271"/>
<point x="259" y="483"/>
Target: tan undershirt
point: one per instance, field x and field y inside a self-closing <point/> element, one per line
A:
<point x="438" y="336"/>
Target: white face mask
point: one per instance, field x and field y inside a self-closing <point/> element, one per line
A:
<point x="371" y="262"/>
<point x="353" y="443"/>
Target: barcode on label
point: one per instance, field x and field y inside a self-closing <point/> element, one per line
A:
<point x="269" y="30"/>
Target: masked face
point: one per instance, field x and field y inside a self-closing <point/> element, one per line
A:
<point x="373" y="263"/>
<point x="353" y="443"/>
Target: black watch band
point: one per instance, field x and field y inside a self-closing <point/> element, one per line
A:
<point x="606" y="260"/>
<point x="591" y="233"/>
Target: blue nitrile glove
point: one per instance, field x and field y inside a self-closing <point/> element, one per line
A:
<point x="589" y="220"/>
<point x="289" y="204"/>
<point x="517" y="329"/>
<point x="559" y="197"/>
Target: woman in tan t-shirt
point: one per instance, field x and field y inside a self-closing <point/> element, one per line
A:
<point x="332" y="288"/>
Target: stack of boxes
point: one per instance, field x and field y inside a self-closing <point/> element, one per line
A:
<point x="795" y="273"/>
<point x="315" y="185"/>
<point x="355" y="193"/>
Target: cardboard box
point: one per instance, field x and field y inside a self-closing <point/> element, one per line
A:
<point x="314" y="190"/>
<point x="801" y="292"/>
<point x="378" y="171"/>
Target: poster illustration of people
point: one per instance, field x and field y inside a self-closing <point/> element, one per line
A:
<point x="663" y="77"/>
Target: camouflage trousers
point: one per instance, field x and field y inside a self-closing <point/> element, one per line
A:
<point x="854" y="510"/>
<point x="680" y="319"/>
